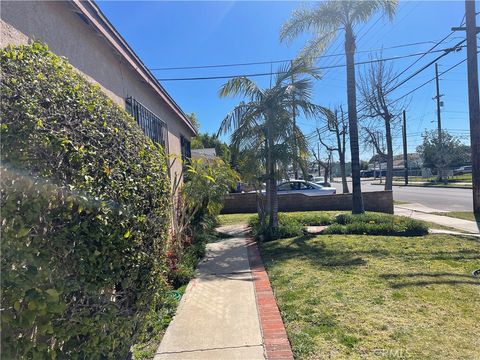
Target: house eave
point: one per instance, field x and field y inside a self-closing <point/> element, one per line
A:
<point x="99" y="21"/>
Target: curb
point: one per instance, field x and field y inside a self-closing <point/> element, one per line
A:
<point x="275" y="340"/>
<point x="430" y="186"/>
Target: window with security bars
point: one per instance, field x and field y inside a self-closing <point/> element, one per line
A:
<point x="150" y="123"/>
<point x="185" y="148"/>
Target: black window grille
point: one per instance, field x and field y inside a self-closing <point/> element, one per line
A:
<point x="150" y="123"/>
<point x="185" y="148"/>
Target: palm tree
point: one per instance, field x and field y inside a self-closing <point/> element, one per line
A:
<point x="325" y="20"/>
<point x="264" y="122"/>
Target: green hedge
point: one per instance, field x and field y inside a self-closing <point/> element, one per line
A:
<point x="288" y="226"/>
<point x="85" y="215"/>
<point x="292" y="224"/>
<point x="376" y="224"/>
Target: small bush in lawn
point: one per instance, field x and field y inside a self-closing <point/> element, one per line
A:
<point x="376" y="224"/>
<point x="312" y="219"/>
<point x="288" y="226"/>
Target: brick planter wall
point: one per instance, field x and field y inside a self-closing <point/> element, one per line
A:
<point x="379" y="201"/>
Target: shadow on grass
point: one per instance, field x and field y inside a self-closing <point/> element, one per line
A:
<point x="443" y="278"/>
<point x="317" y="253"/>
<point x="439" y="282"/>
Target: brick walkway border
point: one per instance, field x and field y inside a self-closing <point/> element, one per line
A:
<point x="276" y="344"/>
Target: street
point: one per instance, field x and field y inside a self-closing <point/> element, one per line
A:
<point x="437" y="198"/>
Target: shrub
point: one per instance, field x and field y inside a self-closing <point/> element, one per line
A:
<point x="376" y="224"/>
<point x="312" y="219"/>
<point x="85" y="215"/>
<point x="288" y="226"/>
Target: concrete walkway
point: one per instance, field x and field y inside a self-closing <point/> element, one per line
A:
<point x="420" y="212"/>
<point x="217" y="317"/>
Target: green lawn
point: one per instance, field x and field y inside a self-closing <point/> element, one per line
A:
<point x="234" y="219"/>
<point x="400" y="202"/>
<point x="453" y="179"/>
<point x="376" y="297"/>
<point x="465" y="215"/>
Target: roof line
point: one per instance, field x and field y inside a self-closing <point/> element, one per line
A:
<point x="108" y="31"/>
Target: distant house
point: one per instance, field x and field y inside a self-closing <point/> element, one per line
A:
<point x="79" y="31"/>
<point x="206" y="154"/>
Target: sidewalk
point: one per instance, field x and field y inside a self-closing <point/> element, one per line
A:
<point x="218" y="316"/>
<point x="459" y="185"/>
<point x="420" y="212"/>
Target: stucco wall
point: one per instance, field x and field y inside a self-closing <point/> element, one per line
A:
<point x="67" y="34"/>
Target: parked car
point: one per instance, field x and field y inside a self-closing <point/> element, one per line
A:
<point x="463" y="170"/>
<point x="321" y="181"/>
<point x="304" y="187"/>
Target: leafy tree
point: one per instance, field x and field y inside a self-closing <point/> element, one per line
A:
<point x="363" y="165"/>
<point x="265" y="122"/>
<point x="193" y="119"/>
<point x="448" y="153"/>
<point x="324" y="20"/>
<point x="203" y="141"/>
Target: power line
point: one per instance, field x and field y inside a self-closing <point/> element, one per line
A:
<point x="429" y="81"/>
<point x="417" y="60"/>
<point x="279" y="61"/>
<point x="318" y="68"/>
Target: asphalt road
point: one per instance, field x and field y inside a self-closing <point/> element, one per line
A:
<point x="436" y="198"/>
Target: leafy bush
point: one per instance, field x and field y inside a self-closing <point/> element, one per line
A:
<point x="85" y="215"/>
<point x="376" y="224"/>
<point x="288" y="226"/>
<point x="312" y="218"/>
<point x="292" y="224"/>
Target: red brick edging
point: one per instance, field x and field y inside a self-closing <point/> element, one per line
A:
<point x="276" y="344"/>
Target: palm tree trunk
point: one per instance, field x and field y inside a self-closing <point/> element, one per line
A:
<point x="273" y="208"/>
<point x="357" y="200"/>
<point x="267" y="182"/>
<point x="388" y="134"/>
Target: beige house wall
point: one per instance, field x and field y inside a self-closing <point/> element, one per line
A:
<point x="59" y="25"/>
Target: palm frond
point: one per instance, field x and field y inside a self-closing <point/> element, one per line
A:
<point x="240" y="113"/>
<point x="362" y="10"/>
<point x="241" y="86"/>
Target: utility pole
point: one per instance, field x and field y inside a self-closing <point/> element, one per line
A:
<point x="295" y="163"/>
<point x="405" y="153"/>
<point x="439" y="119"/>
<point x="473" y="98"/>
<point x="439" y="116"/>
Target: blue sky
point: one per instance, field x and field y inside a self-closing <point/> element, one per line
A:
<point x="173" y="34"/>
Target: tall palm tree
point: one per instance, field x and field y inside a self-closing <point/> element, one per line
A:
<point x="265" y="122"/>
<point x="324" y="21"/>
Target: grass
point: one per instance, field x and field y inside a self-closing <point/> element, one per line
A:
<point x="451" y="179"/>
<point x="400" y="202"/>
<point x="243" y="219"/>
<point x="234" y="219"/>
<point x="307" y="217"/>
<point x="465" y="215"/>
<point x="377" y="297"/>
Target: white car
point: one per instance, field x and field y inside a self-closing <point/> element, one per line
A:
<point x="320" y="181"/>
<point x="304" y="187"/>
